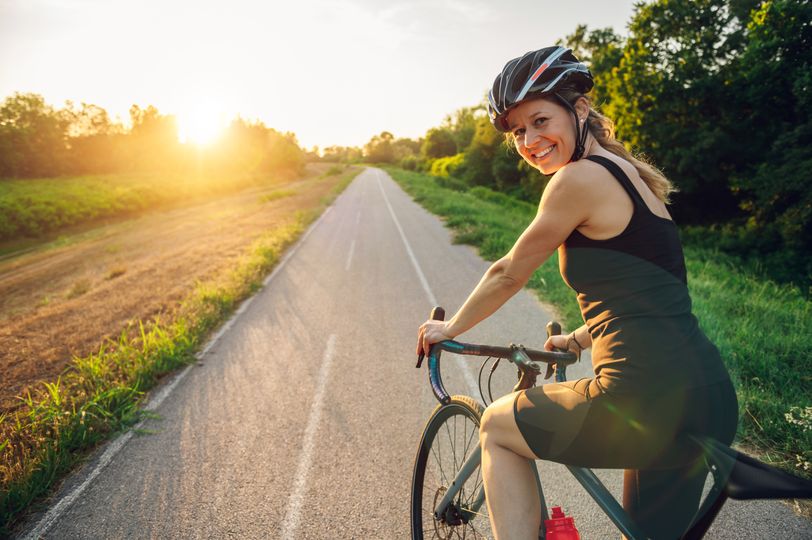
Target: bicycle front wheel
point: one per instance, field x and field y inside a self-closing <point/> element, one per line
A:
<point x="450" y="436"/>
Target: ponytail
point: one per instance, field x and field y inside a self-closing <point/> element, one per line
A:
<point x="603" y="129"/>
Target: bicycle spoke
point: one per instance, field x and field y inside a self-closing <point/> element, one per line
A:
<point x="439" y="464"/>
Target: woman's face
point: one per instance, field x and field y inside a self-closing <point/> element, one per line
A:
<point x="543" y="132"/>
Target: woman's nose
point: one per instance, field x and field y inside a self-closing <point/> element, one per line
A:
<point x="530" y="137"/>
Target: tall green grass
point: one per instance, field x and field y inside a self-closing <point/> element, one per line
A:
<point x="99" y="394"/>
<point x="763" y="330"/>
<point x="32" y="208"/>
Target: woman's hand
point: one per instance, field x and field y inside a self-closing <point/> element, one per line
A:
<point x="431" y="332"/>
<point x="562" y="342"/>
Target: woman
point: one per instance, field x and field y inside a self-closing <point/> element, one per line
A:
<point x="657" y="376"/>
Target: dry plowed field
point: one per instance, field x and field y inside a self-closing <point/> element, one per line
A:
<point x="63" y="300"/>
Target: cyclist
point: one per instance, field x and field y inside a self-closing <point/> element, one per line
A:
<point x="656" y="375"/>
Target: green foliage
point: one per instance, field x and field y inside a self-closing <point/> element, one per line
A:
<point x="462" y="124"/>
<point x="342" y="154"/>
<point x="439" y="143"/>
<point x="379" y="149"/>
<point x="480" y="153"/>
<point x="761" y="329"/>
<point x="32" y="137"/>
<point x="447" y="166"/>
<point x="37" y="207"/>
<point x="413" y="163"/>
<point x="602" y="50"/>
<point x="776" y="82"/>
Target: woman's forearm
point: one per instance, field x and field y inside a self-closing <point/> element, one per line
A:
<point x="494" y="289"/>
<point x="582" y="337"/>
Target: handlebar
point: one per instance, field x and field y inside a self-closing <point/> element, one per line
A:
<point x="524" y="358"/>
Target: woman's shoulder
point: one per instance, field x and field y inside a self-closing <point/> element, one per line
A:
<point x="583" y="176"/>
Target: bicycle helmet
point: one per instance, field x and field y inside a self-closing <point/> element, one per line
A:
<point x="539" y="73"/>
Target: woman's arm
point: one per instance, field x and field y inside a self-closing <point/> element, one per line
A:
<point x="561" y="210"/>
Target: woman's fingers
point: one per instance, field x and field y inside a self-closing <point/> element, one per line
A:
<point x="420" y="332"/>
<point x="428" y="333"/>
<point x="555" y="342"/>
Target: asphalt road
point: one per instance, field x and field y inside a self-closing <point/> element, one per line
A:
<point x="302" y="419"/>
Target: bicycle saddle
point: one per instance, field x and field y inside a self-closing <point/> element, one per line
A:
<point x="749" y="478"/>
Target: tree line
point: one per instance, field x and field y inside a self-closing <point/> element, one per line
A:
<point x="716" y="93"/>
<point x="38" y="140"/>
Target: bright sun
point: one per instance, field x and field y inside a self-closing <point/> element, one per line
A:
<point x="201" y="124"/>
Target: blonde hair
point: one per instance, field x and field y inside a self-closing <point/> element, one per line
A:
<point x="603" y="129"/>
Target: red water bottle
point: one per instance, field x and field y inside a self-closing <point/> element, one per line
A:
<point x="560" y="527"/>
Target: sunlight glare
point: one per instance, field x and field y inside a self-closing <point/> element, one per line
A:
<point x="201" y="124"/>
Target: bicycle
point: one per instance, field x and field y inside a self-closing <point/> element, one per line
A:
<point x="457" y="509"/>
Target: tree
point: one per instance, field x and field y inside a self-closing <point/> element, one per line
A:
<point x="670" y="100"/>
<point x="153" y="139"/>
<point x="439" y="142"/>
<point x="342" y="154"/>
<point x="601" y="50"/>
<point x="379" y="149"/>
<point x="95" y="142"/>
<point x="774" y="82"/>
<point x="462" y="124"/>
<point x="32" y="137"/>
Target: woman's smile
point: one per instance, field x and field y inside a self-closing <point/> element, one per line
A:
<point x="543" y="153"/>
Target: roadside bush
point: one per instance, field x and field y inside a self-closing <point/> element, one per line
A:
<point x="448" y="166"/>
<point x="413" y="163"/>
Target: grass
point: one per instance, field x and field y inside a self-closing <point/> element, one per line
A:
<point x="277" y="194"/>
<point x="99" y="395"/>
<point x="33" y="208"/>
<point x="78" y="289"/>
<point x="762" y="329"/>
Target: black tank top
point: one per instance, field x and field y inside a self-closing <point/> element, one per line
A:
<point x="633" y="293"/>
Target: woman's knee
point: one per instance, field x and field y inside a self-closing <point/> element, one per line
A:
<point x="498" y="428"/>
<point x="497" y="420"/>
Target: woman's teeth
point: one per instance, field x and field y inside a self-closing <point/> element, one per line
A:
<point x="544" y="152"/>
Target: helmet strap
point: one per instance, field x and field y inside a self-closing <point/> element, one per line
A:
<point x="580" y="134"/>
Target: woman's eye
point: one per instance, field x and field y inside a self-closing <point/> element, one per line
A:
<point x="539" y="121"/>
<point x="518" y="133"/>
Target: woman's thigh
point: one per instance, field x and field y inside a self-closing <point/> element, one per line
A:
<point x="550" y="417"/>
<point x="499" y="427"/>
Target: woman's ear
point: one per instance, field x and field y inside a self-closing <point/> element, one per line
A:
<point x="582" y="109"/>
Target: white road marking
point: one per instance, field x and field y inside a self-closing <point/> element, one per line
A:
<point x="429" y="294"/>
<point x="292" y="516"/>
<point x="473" y="387"/>
<point x="349" y="257"/>
<point x="116" y="445"/>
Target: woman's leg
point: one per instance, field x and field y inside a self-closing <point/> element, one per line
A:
<point x="510" y="489"/>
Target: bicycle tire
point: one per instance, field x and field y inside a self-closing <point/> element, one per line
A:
<point x="450" y="435"/>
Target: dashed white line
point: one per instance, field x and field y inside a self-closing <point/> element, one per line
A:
<point x="463" y="366"/>
<point x="349" y="257"/>
<point x="292" y="516"/>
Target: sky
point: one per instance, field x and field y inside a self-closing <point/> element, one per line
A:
<point x="333" y="72"/>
